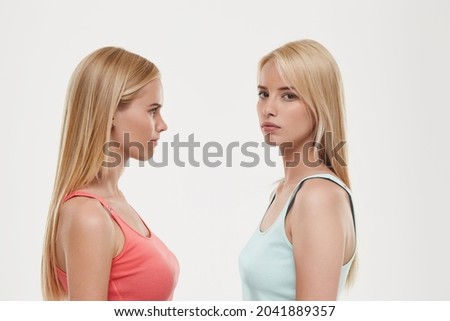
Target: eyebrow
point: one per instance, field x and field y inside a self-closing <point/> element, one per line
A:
<point x="280" y="89"/>
<point x="156" y="105"/>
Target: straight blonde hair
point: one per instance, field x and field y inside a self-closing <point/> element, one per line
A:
<point x="105" y="80"/>
<point x="314" y="74"/>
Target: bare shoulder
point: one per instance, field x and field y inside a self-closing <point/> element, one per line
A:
<point x="84" y="214"/>
<point x="321" y="201"/>
<point x="85" y="230"/>
<point x="322" y="194"/>
<point x="318" y="228"/>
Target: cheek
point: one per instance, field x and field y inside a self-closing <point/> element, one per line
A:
<point x="300" y="122"/>
<point x="136" y="126"/>
<point x="144" y="126"/>
<point x="307" y="125"/>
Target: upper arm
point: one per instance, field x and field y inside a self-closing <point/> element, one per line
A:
<point x="317" y="226"/>
<point x="86" y="236"/>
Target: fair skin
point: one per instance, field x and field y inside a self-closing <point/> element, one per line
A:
<point x="88" y="238"/>
<point x="319" y="225"/>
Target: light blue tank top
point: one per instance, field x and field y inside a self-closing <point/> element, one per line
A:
<point x="266" y="263"/>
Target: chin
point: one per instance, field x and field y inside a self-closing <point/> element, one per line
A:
<point x="142" y="157"/>
<point x="271" y="141"/>
<point x="148" y="157"/>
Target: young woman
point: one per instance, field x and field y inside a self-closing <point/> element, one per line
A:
<point x="96" y="246"/>
<point x="305" y="244"/>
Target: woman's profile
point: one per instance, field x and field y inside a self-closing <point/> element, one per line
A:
<point x="305" y="245"/>
<point x="96" y="246"/>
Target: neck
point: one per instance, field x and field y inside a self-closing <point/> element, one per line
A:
<point x="108" y="184"/>
<point x="300" y="163"/>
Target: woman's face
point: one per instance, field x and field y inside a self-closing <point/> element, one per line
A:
<point x="137" y="126"/>
<point x="283" y="116"/>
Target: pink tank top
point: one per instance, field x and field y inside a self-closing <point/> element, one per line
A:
<point x="145" y="269"/>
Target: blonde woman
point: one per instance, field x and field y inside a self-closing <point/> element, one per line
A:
<point x="97" y="247"/>
<point x="305" y="245"/>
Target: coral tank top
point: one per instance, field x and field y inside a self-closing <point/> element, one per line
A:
<point x="144" y="270"/>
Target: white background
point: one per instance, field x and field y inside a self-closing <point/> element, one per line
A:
<point x="394" y="59"/>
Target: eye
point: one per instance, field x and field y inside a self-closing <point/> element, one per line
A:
<point x="263" y="94"/>
<point x="153" y="112"/>
<point x="289" y="96"/>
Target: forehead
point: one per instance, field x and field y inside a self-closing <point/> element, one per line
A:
<point x="153" y="90"/>
<point x="153" y="86"/>
<point x="270" y="76"/>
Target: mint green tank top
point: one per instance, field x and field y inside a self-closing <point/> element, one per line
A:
<point x="266" y="263"/>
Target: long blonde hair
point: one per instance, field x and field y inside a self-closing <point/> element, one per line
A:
<point x="313" y="72"/>
<point x="106" y="79"/>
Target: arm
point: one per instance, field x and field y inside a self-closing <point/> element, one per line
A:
<point x="317" y="228"/>
<point x="86" y="238"/>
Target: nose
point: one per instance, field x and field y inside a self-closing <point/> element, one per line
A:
<point x="161" y="126"/>
<point x="269" y="108"/>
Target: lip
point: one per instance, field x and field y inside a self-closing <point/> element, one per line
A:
<point x="154" y="141"/>
<point x="269" y="127"/>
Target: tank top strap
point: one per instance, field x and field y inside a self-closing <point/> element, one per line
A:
<point x="85" y="194"/>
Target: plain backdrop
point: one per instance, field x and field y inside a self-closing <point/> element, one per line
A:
<point x="394" y="60"/>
